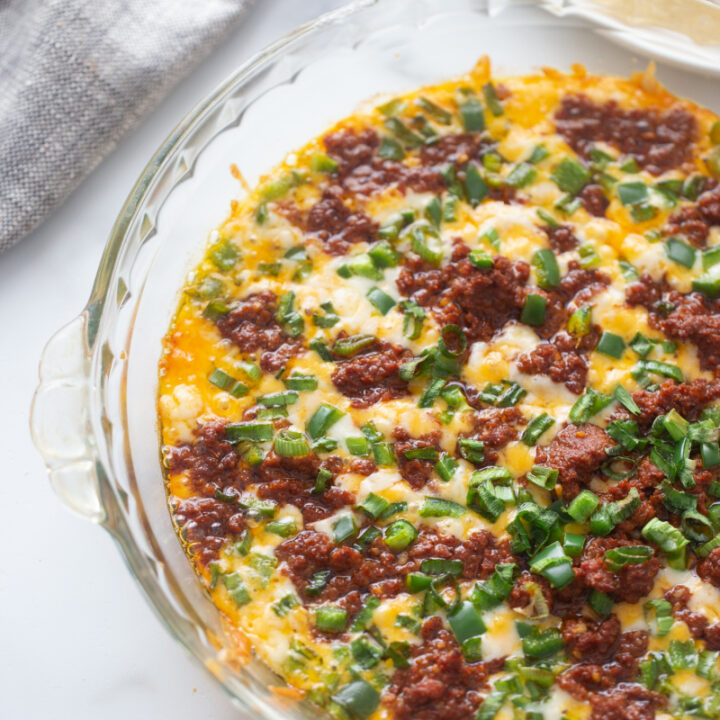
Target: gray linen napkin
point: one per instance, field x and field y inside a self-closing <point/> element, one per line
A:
<point x="75" y="75"/>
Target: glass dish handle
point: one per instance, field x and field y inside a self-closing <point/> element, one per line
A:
<point x="60" y="423"/>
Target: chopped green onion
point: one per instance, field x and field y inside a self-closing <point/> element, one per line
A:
<point x="493" y="591"/>
<point x="580" y="321"/>
<point x="570" y="176"/>
<point x="403" y="133"/>
<point x="611" y="345"/>
<point x="236" y="589"/>
<point x="708" y="547"/>
<point x="286" y="603"/>
<point x="710" y="257"/>
<point x="680" y="252"/>
<point x="554" y="565"/>
<point x="439" y="507"/>
<point x="441" y="566"/>
<point x="299" y="382"/>
<point x="465" y="622"/>
<point x="492" y="236"/>
<point x="536" y="428"/>
<point x="710" y="453"/>
<point x="521" y="175"/>
<point x="374" y="505"/>
<point x="426" y="243"/>
<point x="482" y="498"/>
<point x="588" y="256"/>
<point x="434" y="111"/>
<point x="361" y="265"/>
<point x="344" y="528"/>
<point x="322" y="419"/>
<point x="547" y="218"/>
<point x="539" y="153"/>
<point x="280" y="399"/>
<point x="366" y="538"/>
<point x="492" y="100"/>
<point x="415" y="582"/>
<point x="471" y="450"/>
<point x="682" y="654"/>
<point x="626" y="400"/>
<point x="321" y="481"/>
<point x="626" y="433"/>
<point x="292" y="322"/>
<point x="589" y="404"/>
<point x="359" y="698"/>
<point x="433" y="211"/>
<point x="601" y="603"/>
<point x="320" y="348"/>
<point x="383" y="454"/>
<point x="480" y="259"/>
<point x="394" y="509"/>
<point x="358" y="446"/>
<point x="472" y="115"/>
<point x="661" y="368"/>
<point x="675" y="424"/>
<point x="407" y="622"/>
<point x="475" y="187"/>
<point x="546" y="268"/>
<point x="365" y="653"/>
<point x="349" y="346"/>
<point x="712" y="161"/>
<point x="543" y="644"/>
<point x="583" y="506"/>
<point x="670" y="540"/>
<point x="249" y="432"/>
<point x="384" y="255"/>
<point x="696" y="527"/>
<point x="573" y="544"/>
<point x="706" y="664"/>
<point x="221" y="379"/>
<point x="224" y="256"/>
<point x="618" y="558"/>
<point x="543" y="477"/>
<point x="533" y="312"/>
<point x="413" y="319"/>
<point x="446" y="466"/>
<point x="399" y="535"/>
<point x="215" y="309"/>
<point x="284" y="528"/>
<point x="320" y="162"/>
<point x="381" y="300"/>
<point x="492" y="161"/>
<point x="708" y="283"/>
<point x="632" y="193"/>
<point x="629" y="165"/>
<point x="642" y="345"/>
<point x="324" y="444"/>
<point x="450" y="206"/>
<point x="289" y="443"/>
<point x="317" y="583"/>
<point x="421" y="453"/>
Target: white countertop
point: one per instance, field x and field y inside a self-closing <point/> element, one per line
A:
<point x="77" y="639"/>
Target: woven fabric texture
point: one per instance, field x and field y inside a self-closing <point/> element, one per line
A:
<point x="75" y="75"/>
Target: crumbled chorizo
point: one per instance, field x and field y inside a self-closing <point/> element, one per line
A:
<point x="658" y="140"/>
<point x="373" y="375"/>
<point x="439" y="684"/>
<point x="577" y="452"/>
<point x="480" y="302"/>
<point x="251" y="325"/>
<point x="415" y="471"/>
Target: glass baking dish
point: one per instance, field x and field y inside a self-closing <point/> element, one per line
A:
<point x="94" y="413"/>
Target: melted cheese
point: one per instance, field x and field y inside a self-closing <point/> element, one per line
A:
<point x="265" y="229"/>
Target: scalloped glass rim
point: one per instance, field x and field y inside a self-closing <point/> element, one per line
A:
<point x="113" y="473"/>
